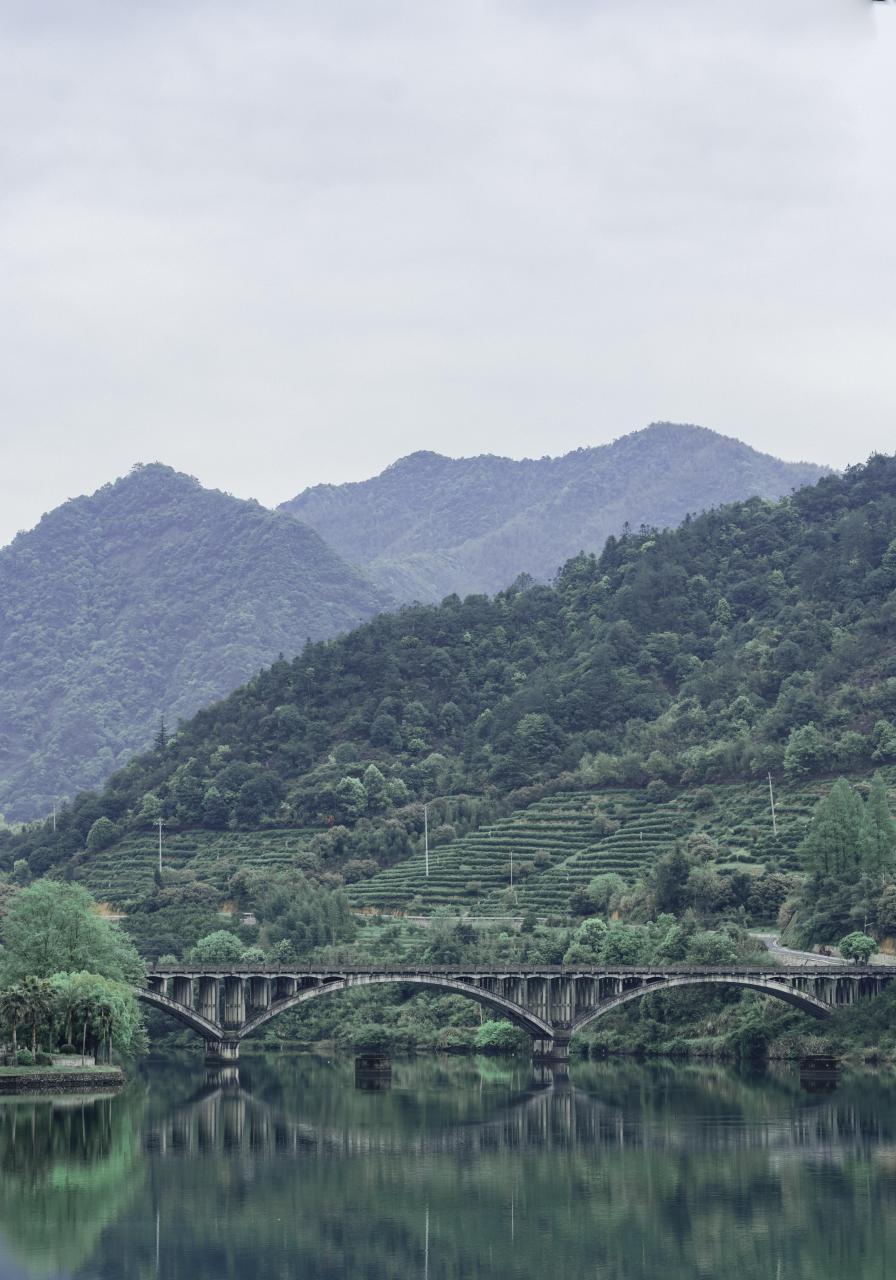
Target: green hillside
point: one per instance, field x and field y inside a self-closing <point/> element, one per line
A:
<point x="431" y="525"/>
<point x="146" y="600"/>
<point x="756" y="638"/>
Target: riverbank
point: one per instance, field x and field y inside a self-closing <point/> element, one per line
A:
<point x="44" y="1080"/>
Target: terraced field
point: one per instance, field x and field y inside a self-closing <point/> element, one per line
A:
<point x="647" y="831"/>
<point x="557" y="846"/>
<point x="473" y="873"/>
<point x="124" y="872"/>
<point x="479" y="864"/>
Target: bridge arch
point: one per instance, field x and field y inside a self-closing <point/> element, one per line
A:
<point x="189" y="1017"/>
<point x="524" y="1018"/>
<point x="766" y="986"/>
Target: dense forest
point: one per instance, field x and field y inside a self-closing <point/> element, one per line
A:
<point x="147" y="600"/>
<point x="753" y="638"/>
<point x="430" y="525"/>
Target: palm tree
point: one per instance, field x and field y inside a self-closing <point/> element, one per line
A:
<point x="13" y="1011"/>
<point x="37" y="996"/>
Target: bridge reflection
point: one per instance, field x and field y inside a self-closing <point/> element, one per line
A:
<point x="553" y="1114"/>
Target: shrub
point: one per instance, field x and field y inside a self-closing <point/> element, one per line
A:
<point x="25" y="1058"/>
<point x="500" y="1037"/>
<point x="103" y="833"/>
<point x="704" y="798"/>
<point x="42" y="1059"/>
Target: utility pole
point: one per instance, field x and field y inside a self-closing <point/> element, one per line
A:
<point x="54" y="815"/>
<point x="161" y="822"/>
<point x="771" y="796"/>
<point x="426" y="837"/>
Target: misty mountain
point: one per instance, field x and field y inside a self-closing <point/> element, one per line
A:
<point x="430" y="525"/>
<point x="150" y="598"/>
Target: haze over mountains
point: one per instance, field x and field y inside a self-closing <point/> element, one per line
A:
<point x="154" y="597"/>
<point x="429" y="525"/>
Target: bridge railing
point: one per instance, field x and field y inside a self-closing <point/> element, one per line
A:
<point x="187" y="968"/>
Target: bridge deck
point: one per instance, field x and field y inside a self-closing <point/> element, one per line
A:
<point x="188" y="969"/>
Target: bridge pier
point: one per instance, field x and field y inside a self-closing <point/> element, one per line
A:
<point x="554" y="1051"/>
<point x="222" y="1053"/>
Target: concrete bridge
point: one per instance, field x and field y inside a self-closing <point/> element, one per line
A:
<point x="226" y="1003"/>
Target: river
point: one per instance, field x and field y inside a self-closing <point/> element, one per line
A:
<point x="461" y="1168"/>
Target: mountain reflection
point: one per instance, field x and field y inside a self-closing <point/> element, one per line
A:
<point x="462" y="1168"/>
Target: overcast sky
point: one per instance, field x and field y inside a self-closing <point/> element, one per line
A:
<point x="274" y="244"/>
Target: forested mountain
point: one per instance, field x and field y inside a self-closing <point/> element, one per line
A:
<point x="149" y="599"/>
<point x="430" y="525"/>
<point x="756" y="637"/>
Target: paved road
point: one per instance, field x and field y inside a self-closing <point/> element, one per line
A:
<point x="794" y="959"/>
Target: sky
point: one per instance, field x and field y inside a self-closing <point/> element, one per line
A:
<point x="283" y="243"/>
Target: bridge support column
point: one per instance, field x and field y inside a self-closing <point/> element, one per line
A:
<point x="259" y="993"/>
<point x="208" y="999"/>
<point x="182" y="991"/>
<point x="284" y="988"/>
<point x="220" y="1053"/>
<point x="234" y="1002"/>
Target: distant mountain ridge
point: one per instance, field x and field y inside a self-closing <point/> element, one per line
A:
<point x="151" y="597"/>
<point x="430" y="525"/>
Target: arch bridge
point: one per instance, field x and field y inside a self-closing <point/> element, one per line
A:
<point x="226" y="1003"/>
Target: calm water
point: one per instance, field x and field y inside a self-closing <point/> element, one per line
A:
<point x="461" y="1169"/>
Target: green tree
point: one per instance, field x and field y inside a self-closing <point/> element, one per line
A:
<point x="670" y="880"/>
<point x="831" y="846"/>
<point x="375" y="786"/>
<point x="806" y="751"/>
<point x="253" y="955"/>
<point x="103" y="833"/>
<point x="877" y="831"/>
<point x="710" y="947"/>
<point x="351" y="799"/>
<point x="626" y="944"/>
<point x="215" y="810"/>
<point x="495" y="1036"/>
<point x="105" y="1013"/>
<point x="55" y="928"/>
<point x="220" y="947"/>
<point x="587" y="945"/>
<point x="13" y="1011"/>
<point x="857" y="946"/>
<point x="37" y="999"/>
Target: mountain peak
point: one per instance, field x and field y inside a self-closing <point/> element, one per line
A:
<point x="429" y="525"/>
<point x="150" y="597"/>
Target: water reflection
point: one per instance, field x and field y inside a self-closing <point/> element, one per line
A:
<point x="621" y="1171"/>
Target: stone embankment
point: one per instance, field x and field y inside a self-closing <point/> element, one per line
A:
<point x="35" y="1080"/>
